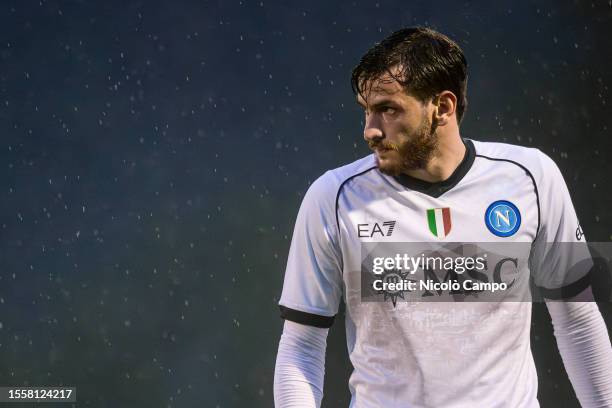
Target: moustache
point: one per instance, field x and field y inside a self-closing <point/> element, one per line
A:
<point x="373" y="144"/>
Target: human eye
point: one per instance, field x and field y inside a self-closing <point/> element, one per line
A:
<point x="389" y="110"/>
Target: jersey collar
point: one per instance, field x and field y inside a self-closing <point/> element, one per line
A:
<point x="437" y="189"/>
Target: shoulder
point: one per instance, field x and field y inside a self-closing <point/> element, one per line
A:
<point x="326" y="188"/>
<point x="319" y="203"/>
<point x="533" y="161"/>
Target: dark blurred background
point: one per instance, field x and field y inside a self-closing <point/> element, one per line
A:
<point x="155" y="153"/>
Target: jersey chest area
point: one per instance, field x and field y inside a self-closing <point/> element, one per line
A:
<point x="481" y="208"/>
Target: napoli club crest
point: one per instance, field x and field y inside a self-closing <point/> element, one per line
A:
<point x="503" y="218"/>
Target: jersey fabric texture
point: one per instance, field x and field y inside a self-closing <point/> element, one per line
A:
<point x="432" y="354"/>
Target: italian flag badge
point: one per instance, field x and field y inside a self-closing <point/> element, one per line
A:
<point x="439" y="221"/>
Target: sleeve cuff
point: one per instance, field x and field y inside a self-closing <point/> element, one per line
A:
<point x="568" y="291"/>
<point x="308" y="319"/>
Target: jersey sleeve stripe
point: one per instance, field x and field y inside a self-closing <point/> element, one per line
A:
<point x="567" y="291"/>
<point x="309" y="319"/>
<point x="340" y="189"/>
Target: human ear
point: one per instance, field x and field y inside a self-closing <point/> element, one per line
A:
<point x="445" y="104"/>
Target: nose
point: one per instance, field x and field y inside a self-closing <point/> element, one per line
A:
<point x="372" y="129"/>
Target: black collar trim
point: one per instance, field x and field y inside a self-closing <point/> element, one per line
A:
<point x="437" y="189"/>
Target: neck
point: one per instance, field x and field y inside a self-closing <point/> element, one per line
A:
<point x="446" y="159"/>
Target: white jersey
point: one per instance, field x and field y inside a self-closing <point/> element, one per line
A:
<point x="427" y="354"/>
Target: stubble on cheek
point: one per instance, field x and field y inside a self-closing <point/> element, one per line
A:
<point x="391" y="162"/>
<point x="414" y="153"/>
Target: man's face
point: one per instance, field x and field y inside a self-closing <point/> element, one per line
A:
<point x="398" y="127"/>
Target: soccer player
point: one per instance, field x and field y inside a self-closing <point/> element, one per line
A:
<point x="424" y="182"/>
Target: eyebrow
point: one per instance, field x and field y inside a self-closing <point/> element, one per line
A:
<point x="384" y="101"/>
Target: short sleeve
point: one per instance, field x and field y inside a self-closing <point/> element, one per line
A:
<point x="312" y="288"/>
<point x="560" y="260"/>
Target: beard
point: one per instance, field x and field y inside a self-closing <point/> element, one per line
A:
<point x="412" y="154"/>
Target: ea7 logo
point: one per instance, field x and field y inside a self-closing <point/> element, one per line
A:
<point x="369" y="230"/>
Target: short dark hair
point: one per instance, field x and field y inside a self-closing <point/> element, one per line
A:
<point x="429" y="63"/>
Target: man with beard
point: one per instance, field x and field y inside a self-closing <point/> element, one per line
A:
<point x="425" y="183"/>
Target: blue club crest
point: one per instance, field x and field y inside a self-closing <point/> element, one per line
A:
<point x="503" y="218"/>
